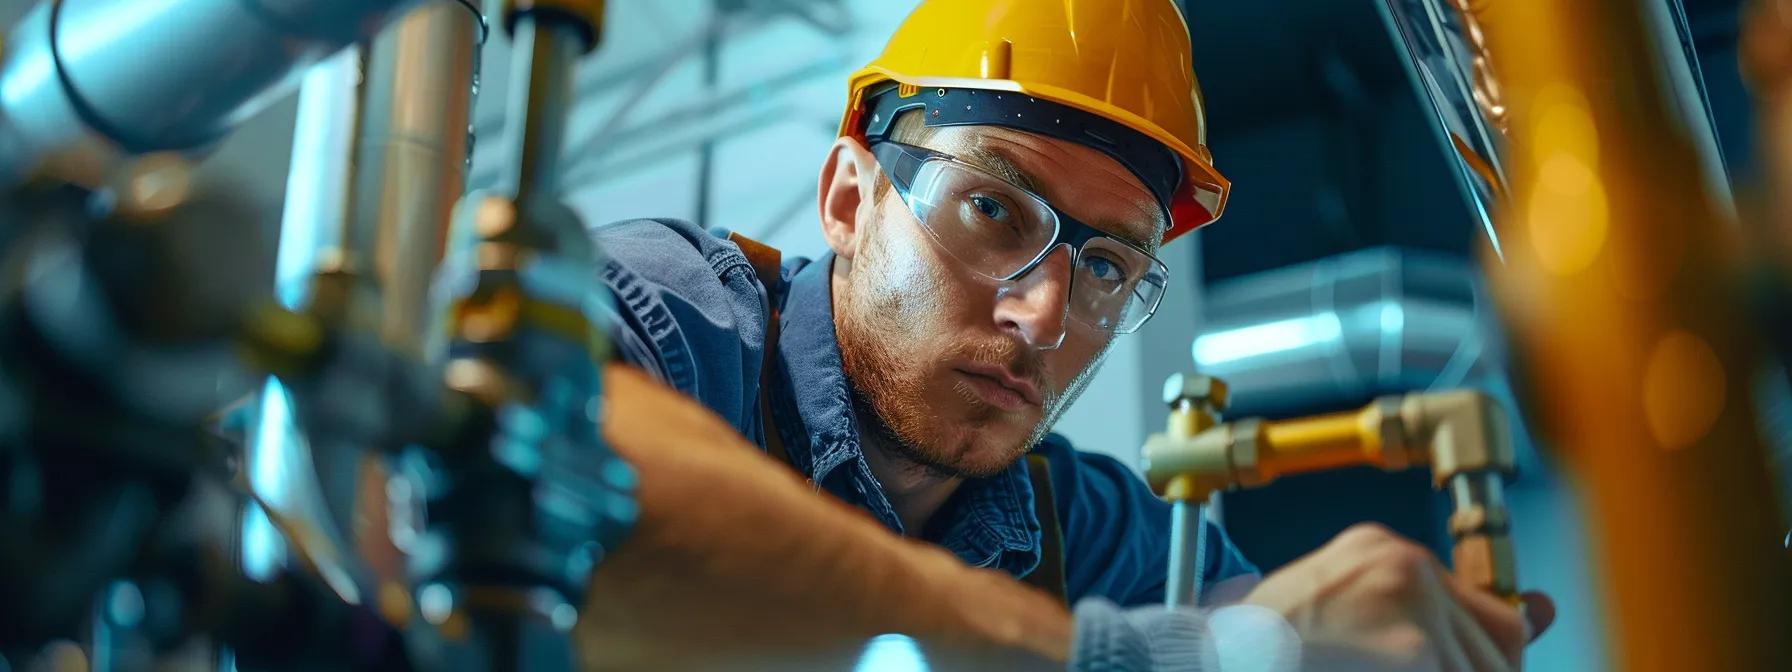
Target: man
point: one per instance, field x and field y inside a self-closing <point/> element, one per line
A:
<point x="1005" y="174"/>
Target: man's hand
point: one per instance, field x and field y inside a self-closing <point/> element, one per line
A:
<point x="1371" y="599"/>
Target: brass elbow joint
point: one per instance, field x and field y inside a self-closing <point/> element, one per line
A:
<point x="1462" y="434"/>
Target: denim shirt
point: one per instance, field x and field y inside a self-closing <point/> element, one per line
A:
<point x="690" y="310"/>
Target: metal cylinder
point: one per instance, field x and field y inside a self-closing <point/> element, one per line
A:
<point x="412" y="159"/>
<point x="159" y="75"/>
<point x="1621" y="296"/>
<point x="1186" y="525"/>
<point x="542" y="91"/>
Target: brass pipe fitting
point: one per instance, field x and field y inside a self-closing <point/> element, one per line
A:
<point x="1461" y="434"/>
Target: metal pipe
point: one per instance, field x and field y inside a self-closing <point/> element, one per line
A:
<point x="541" y="86"/>
<point x="379" y="159"/>
<point x="409" y="169"/>
<point x="1187" y="548"/>
<point x="158" y="75"/>
<point x="279" y="463"/>
<point x="1619" y="288"/>
<point x="411" y="166"/>
<point x="528" y="266"/>
<point x="1480" y="532"/>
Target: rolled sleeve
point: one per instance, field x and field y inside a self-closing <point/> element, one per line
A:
<point x="688" y="310"/>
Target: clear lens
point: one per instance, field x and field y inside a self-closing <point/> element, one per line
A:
<point x="990" y="225"/>
<point x="998" y="229"/>
<point x="1115" y="287"/>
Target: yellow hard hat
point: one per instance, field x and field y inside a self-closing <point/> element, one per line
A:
<point x="1122" y="64"/>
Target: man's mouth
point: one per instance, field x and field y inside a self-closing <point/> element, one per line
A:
<point x="999" y="387"/>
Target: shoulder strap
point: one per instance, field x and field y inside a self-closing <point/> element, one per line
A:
<point x="1049" y="575"/>
<point x="765" y="261"/>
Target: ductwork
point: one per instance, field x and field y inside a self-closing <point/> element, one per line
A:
<point x="1333" y="333"/>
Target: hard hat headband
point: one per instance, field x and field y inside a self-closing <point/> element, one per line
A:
<point x="1149" y="160"/>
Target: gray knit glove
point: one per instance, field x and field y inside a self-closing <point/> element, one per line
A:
<point x="1239" y="638"/>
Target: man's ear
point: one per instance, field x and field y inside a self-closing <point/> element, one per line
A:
<point x="846" y="195"/>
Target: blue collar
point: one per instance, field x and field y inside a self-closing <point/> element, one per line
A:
<point x="988" y="522"/>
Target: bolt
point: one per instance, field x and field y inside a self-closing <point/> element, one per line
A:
<point x="1195" y="388"/>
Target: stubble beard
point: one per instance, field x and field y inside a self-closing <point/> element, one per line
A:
<point x="889" y="385"/>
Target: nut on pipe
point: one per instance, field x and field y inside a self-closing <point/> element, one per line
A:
<point x="588" y="15"/>
<point x="1189" y="469"/>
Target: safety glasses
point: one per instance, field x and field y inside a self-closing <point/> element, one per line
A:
<point x="1002" y="232"/>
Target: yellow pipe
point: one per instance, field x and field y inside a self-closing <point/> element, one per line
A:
<point x="1317" y="444"/>
<point x="1618" y="285"/>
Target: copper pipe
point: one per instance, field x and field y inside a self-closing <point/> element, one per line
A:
<point x="1622" y="308"/>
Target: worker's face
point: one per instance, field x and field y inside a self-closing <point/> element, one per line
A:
<point x="966" y="372"/>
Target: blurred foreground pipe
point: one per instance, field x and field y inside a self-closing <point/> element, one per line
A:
<point x="412" y="158"/>
<point x="1624" y="313"/>
<point x="279" y="463"/>
<point x="412" y="142"/>
<point x="379" y="159"/>
<point x="1766" y="61"/>
<point x="159" y="75"/>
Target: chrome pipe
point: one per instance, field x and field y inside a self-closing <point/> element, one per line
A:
<point x="412" y="157"/>
<point x="138" y="76"/>
<point x="379" y="159"/>
<point x="541" y="93"/>
<point x="1187" y="550"/>
<point x="279" y="459"/>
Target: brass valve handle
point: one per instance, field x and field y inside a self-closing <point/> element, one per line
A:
<point x="1462" y="434"/>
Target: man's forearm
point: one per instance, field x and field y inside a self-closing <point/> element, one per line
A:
<point x="736" y="559"/>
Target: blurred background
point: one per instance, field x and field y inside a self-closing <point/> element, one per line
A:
<point x="1345" y="267"/>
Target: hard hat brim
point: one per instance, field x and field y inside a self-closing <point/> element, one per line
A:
<point x="1199" y="200"/>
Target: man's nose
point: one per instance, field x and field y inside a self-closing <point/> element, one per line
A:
<point x="1034" y="306"/>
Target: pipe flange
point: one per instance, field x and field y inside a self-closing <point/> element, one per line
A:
<point x="1397" y="449"/>
<point x="1244" y="451"/>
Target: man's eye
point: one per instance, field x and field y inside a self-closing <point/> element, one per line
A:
<point x="1105" y="270"/>
<point x="990" y="207"/>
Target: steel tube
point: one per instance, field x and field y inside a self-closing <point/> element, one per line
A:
<point x="1184" y="586"/>
<point x="541" y="94"/>
<point x="411" y="166"/>
<point x="159" y="75"/>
